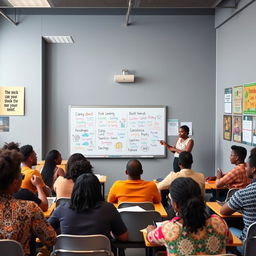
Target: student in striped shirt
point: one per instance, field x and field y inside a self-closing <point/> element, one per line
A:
<point x="244" y="200"/>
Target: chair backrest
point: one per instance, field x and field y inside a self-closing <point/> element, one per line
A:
<point x="62" y="200"/>
<point x="96" y="245"/>
<point x="10" y="248"/>
<point x="230" y="193"/>
<point x="143" y="205"/>
<point x="135" y="221"/>
<point x="250" y="241"/>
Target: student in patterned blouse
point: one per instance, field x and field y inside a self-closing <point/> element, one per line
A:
<point x="19" y="219"/>
<point x="191" y="232"/>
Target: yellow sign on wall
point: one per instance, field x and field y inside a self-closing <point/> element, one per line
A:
<point x="11" y="101"/>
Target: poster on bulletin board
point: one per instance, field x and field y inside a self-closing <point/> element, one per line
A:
<point x="228" y="100"/>
<point x="238" y="100"/>
<point x="237" y="128"/>
<point x="247" y="130"/>
<point x="227" y="127"/>
<point x="250" y="99"/>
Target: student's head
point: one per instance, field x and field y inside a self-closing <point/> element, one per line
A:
<point x="183" y="131"/>
<point x="251" y="166"/>
<point x="238" y="154"/>
<point x="134" y="169"/>
<point x="73" y="158"/>
<point x="53" y="156"/>
<point x="187" y="201"/>
<point x="78" y="168"/>
<point x="86" y="193"/>
<point x="12" y="145"/>
<point x="185" y="160"/>
<point x="52" y="159"/>
<point x="10" y="174"/>
<point x="29" y="155"/>
<point x="253" y="151"/>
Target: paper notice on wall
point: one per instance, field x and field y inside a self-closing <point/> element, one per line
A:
<point x="173" y="127"/>
<point x="11" y="101"/>
<point x="228" y="100"/>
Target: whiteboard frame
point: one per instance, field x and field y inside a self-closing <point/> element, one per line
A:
<point x="118" y="106"/>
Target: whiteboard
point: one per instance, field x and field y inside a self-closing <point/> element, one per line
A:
<point x="117" y="131"/>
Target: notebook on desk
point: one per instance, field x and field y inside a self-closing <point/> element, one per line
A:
<point x="51" y="200"/>
<point x="220" y="203"/>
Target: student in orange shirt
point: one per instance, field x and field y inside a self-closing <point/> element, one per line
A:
<point x="134" y="189"/>
<point x="29" y="158"/>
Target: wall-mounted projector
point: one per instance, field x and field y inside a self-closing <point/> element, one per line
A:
<point x="124" y="78"/>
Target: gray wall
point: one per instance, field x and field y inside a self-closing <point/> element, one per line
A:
<point x="235" y="55"/>
<point x="172" y="56"/>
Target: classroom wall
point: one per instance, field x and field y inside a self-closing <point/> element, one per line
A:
<point x="235" y="54"/>
<point x="172" y="57"/>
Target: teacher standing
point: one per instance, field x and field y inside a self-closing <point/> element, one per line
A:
<point x="183" y="143"/>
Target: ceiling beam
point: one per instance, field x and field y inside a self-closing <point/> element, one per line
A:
<point x="9" y="18"/>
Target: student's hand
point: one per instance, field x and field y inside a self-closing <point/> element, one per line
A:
<point x="219" y="173"/>
<point x="36" y="181"/>
<point x="150" y="228"/>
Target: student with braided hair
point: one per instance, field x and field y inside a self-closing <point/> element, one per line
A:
<point x="191" y="232"/>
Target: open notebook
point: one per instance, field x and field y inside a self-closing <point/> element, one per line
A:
<point x="51" y="200"/>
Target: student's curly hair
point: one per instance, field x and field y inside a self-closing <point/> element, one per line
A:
<point x="78" y="168"/>
<point x="26" y="151"/>
<point x="9" y="167"/>
<point x="12" y="145"/>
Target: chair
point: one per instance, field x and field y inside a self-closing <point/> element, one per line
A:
<point x="250" y="241"/>
<point x="135" y="221"/>
<point x="80" y="245"/>
<point x="62" y="200"/>
<point x="10" y="248"/>
<point x="230" y="193"/>
<point x="143" y="205"/>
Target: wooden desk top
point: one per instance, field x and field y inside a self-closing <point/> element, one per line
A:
<point x="103" y="179"/>
<point x="48" y="213"/>
<point x="216" y="208"/>
<point x="158" y="207"/>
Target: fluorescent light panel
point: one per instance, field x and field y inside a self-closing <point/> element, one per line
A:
<point x="59" y="39"/>
<point x="30" y="3"/>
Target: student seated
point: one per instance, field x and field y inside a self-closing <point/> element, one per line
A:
<point x="191" y="232"/>
<point x="22" y="219"/>
<point x="134" y="189"/>
<point x="244" y="200"/>
<point x="25" y="194"/>
<point x="63" y="186"/>
<point x="235" y="178"/>
<point x="29" y="158"/>
<point x="185" y="163"/>
<point x="50" y="172"/>
<point x="87" y="213"/>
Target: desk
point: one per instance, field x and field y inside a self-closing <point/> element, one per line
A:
<point x="216" y="208"/>
<point x="40" y="165"/>
<point x="48" y="213"/>
<point x="211" y="186"/>
<point x="158" y="208"/>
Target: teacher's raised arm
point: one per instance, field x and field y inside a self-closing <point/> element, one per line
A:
<point x="183" y="143"/>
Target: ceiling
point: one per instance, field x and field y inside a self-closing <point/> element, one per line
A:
<point x="125" y="3"/>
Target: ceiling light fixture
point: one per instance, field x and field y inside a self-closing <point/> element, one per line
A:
<point x="58" y="39"/>
<point x="30" y="3"/>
